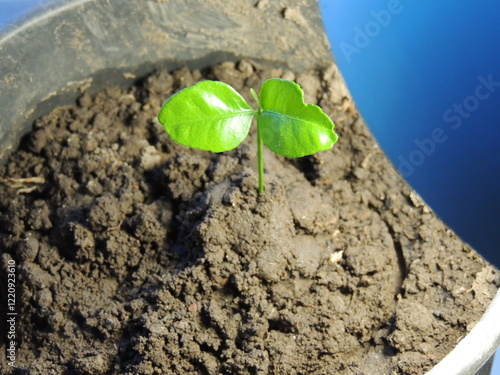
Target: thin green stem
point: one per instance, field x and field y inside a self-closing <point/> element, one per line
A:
<point x="260" y="158"/>
<point x="260" y="144"/>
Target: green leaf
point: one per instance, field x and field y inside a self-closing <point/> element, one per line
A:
<point x="210" y="116"/>
<point x="290" y="127"/>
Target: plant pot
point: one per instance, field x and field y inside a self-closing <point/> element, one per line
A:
<point x="94" y="44"/>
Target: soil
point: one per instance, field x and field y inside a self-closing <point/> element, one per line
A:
<point x="136" y="255"/>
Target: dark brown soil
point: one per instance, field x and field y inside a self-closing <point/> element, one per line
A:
<point x="136" y="255"/>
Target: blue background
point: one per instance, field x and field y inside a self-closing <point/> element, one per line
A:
<point x="396" y="144"/>
<point x="10" y="9"/>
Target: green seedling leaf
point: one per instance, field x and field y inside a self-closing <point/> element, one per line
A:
<point x="212" y="116"/>
<point x="209" y="115"/>
<point x="290" y="127"/>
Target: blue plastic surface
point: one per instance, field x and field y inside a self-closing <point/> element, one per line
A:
<point x="10" y="9"/>
<point x="425" y="76"/>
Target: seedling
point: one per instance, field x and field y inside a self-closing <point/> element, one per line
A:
<point x="212" y="116"/>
